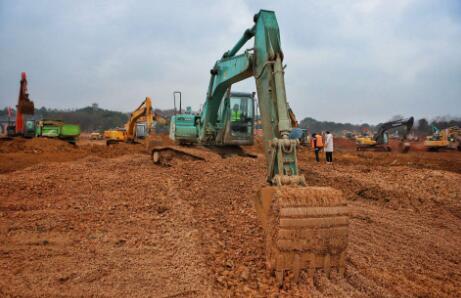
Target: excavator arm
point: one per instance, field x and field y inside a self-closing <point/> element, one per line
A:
<point x="144" y="110"/>
<point x="25" y="105"/>
<point x="227" y="71"/>
<point x="408" y="123"/>
<point x="306" y="227"/>
<point x="264" y="63"/>
<point x="294" y="122"/>
<point x="128" y="133"/>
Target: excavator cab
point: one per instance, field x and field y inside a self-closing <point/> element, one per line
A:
<point x="234" y="122"/>
<point x="236" y="119"/>
<point x="383" y="139"/>
<point x="141" y="130"/>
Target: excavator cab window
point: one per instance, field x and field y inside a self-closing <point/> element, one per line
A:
<point x="242" y="115"/>
<point x="385" y="138"/>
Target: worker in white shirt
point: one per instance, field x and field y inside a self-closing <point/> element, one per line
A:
<point x="329" y="148"/>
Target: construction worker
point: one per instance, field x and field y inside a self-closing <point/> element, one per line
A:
<point x="329" y="147"/>
<point x="317" y="145"/>
<point x="235" y="117"/>
<point x="320" y="139"/>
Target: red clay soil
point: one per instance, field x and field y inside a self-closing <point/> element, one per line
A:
<point x="20" y="153"/>
<point x="122" y="226"/>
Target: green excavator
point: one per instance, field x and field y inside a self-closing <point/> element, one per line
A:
<point x="305" y="227"/>
<point x="233" y="125"/>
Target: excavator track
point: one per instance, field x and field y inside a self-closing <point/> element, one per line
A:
<point x="306" y="229"/>
<point x="168" y="155"/>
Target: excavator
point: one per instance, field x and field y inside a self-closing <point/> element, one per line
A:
<point x="448" y="138"/>
<point x="233" y="124"/>
<point x="133" y="131"/>
<point x="25" y="106"/>
<point x="306" y="228"/>
<point x="380" y="140"/>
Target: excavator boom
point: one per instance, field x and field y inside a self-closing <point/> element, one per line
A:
<point x="25" y="105"/>
<point x="379" y="140"/>
<point x="144" y="110"/>
<point x="407" y="123"/>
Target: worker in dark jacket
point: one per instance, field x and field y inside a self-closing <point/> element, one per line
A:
<point x="316" y="145"/>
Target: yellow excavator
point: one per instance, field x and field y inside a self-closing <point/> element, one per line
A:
<point x="448" y="138"/>
<point x="380" y="140"/>
<point x="134" y="129"/>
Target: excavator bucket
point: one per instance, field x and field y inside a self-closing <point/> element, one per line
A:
<point x="306" y="228"/>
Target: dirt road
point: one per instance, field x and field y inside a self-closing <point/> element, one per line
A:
<point x="121" y="226"/>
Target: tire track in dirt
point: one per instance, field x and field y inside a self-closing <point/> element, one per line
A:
<point x="408" y="244"/>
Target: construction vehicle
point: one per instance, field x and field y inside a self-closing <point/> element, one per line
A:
<point x="347" y="134"/>
<point x="23" y="127"/>
<point x="116" y="135"/>
<point x="95" y="135"/>
<point x="233" y="124"/>
<point x="380" y="140"/>
<point x="448" y="138"/>
<point x="301" y="134"/>
<point x="134" y="130"/>
<point x="305" y="227"/>
<point x="57" y="129"/>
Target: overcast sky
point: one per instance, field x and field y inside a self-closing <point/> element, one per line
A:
<point x="354" y="61"/>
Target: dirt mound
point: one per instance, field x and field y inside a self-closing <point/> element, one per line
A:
<point x="114" y="150"/>
<point x="20" y="153"/>
<point x="373" y="178"/>
<point x="104" y="226"/>
<point x="258" y="145"/>
<point x="35" y="145"/>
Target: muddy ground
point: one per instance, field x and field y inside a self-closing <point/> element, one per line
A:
<point x="93" y="220"/>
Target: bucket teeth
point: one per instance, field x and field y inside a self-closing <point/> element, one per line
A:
<point x="306" y="229"/>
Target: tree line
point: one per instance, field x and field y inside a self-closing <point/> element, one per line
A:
<point x="89" y="118"/>
<point x="93" y="118"/>
<point x="421" y="127"/>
